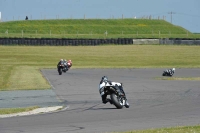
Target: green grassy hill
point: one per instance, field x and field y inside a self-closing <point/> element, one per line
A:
<point x="92" y="28"/>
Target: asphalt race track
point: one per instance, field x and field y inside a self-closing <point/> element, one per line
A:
<point x="154" y="103"/>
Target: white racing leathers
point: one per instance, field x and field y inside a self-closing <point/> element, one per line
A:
<point x="116" y="92"/>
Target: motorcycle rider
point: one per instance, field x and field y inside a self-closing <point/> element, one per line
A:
<point x="70" y="61"/>
<point x="65" y="62"/>
<point x="104" y="79"/>
<point x="171" y="71"/>
<point x="60" y="62"/>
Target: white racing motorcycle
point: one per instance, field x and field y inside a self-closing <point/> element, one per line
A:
<point x="116" y="92"/>
<point x="169" y="72"/>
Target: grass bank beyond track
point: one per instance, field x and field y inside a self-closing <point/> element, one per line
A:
<point x="186" y="129"/>
<point x="19" y="65"/>
<point x="94" y="28"/>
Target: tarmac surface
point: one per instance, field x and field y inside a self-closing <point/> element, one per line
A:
<point x="153" y="103"/>
<point x="25" y="98"/>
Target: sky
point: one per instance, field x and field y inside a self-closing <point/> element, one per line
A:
<point x="186" y="13"/>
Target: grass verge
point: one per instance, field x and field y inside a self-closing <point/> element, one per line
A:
<point x="179" y="78"/>
<point x="16" y="110"/>
<point x="179" y="129"/>
<point x="27" y="78"/>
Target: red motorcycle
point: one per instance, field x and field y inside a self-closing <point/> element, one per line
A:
<point x="69" y="64"/>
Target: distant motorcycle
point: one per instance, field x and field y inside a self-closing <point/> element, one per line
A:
<point x="61" y="68"/>
<point x="169" y="72"/>
<point x="64" y="67"/>
<point x="69" y="64"/>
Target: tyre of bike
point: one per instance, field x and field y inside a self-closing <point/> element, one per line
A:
<point x="116" y="101"/>
<point x="60" y="71"/>
<point x="164" y="74"/>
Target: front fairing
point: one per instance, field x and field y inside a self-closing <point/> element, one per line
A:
<point x="106" y="84"/>
<point x="116" y="83"/>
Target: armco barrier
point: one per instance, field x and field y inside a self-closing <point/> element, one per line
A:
<point x="178" y="41"/>
<point x="146" y="41"/>
<point x="92" y="42"/>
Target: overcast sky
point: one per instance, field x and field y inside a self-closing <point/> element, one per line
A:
<point x="186" y="13"/>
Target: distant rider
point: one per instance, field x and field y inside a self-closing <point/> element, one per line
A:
<point x="65" y="62"/>
<point x="171" y="71"/>
<point x="70" y="62"/>
<point x="60" y="62"/>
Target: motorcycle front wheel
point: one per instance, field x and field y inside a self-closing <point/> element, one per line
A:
<point x="116" y="101"/>
<point x="164" y="74"/>
<point x="60" y="71"/>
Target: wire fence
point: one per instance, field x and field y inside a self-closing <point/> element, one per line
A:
<point x="106" y="34"/>
<point x="85" y="16"/>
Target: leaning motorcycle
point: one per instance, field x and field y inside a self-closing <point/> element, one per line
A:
<point x="115" y="90"/>
<point x="64" y="67"/>
<point x="61" y="68"/>
<point x="167" y="73"/>
<point x="69" y="64"/>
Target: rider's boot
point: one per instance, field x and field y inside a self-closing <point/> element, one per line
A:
<point x="109" y="100"/>
<point x="127" y="104"/>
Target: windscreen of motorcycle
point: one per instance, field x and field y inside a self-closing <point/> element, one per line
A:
<point x="103" y="84"/>
<point x="116" y="83"/>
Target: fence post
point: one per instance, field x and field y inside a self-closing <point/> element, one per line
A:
<point x="91" y="33"/>
<point x="6" y="32"/>
<point x="106" y="33"/>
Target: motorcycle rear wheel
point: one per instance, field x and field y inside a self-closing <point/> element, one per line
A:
<point x="115" y="101"/>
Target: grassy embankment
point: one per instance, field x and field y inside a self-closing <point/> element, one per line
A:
<point x="94" y="28"/>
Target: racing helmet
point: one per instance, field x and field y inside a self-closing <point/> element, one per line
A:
<point x="173" y="69"/>
<point x="104" y="78"/>
<point x="61" y="59"/>
<point x="65" y="60"/>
